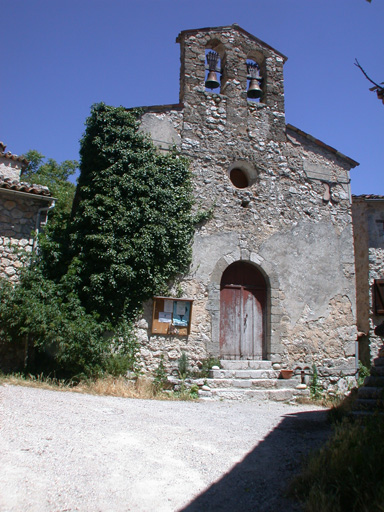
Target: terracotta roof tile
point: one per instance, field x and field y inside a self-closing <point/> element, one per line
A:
<point x="17" y="186"/>
<point x="11" y="156"/>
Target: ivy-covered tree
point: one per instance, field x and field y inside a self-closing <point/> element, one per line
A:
<point x="132" y="225"/>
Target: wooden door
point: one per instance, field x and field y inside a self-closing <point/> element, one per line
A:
<point x="242" y="312"/>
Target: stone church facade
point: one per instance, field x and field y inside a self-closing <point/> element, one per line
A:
<point x="273" y="271"/>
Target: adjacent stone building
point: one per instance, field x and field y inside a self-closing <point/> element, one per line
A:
<point x="368" y="223"/>
<point x="23" y="209"/>
<point x="273" y="272"/>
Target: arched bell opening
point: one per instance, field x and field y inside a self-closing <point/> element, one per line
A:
<point x="243" y="312"/>
<point x="214" y="64"/>
<point x="254" y="81"/>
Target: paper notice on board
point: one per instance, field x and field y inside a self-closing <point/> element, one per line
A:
<point x="165" y="318"/>
<point x="180" y="308"/>
<point x="168" y="306"/>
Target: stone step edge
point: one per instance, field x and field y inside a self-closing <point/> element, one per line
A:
<point x="282" y="394"/>
<point x="244" y="374"/>
<point x="252" y="383"/>
<point x="245" y="364"/>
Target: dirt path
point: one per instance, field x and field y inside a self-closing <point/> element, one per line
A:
<point x="62" y="451"/>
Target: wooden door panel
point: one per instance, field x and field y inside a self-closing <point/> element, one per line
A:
<point x="241" y="323"/>
<point x="252" y="335"/>
<point x="230" y="322"/>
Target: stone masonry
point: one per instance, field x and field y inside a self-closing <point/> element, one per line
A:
<point x="23" y="208"/>
<point x="291" y="221"/>
<point x="368" y="221"/>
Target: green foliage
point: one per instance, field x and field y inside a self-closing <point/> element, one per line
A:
<point x="206" y="365"/>
<point x="54" y="241"/>
<point x="55" y="176"/>
<point x="194" y="391"/>
<point x="66" y="340"/>
<point x="132" y="226"/>
<point x="363" y="373"/>
<point x="314" y="385"/>
<point x="160" y="379"/>
<point x="130" y="235"/>
<point x="183" y="366"/>
<point x="347" y="474"/>
<point x="124" y="354"/>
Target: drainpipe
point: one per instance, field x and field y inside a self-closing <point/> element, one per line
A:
<point x="46" y="209"/>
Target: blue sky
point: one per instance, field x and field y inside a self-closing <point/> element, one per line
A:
<point x="60" y="57"/>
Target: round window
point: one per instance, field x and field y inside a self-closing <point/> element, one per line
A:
<point x="239" y="178"/>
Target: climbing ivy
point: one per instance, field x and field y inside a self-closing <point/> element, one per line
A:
<point x="133" y="222"/>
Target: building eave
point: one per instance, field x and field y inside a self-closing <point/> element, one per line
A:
<point x="318" y="142"/>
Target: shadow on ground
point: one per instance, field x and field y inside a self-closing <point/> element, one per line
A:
<point x="258" y="483"/>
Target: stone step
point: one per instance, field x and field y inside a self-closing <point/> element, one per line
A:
<point x="244" y="374"/>
<point x="373" y="381"/>
<point x="278" y="395"/>
<point x="364" y="414"/>
<point x="368" y="404"/>
<point x="244" y="364"/>
<point x="379" y="361"/>
<point x="377" y="371"/>
<point x="370" y="392"/>
<point x="254" y="383"/>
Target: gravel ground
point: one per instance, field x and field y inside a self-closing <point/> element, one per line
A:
<point x="62" y="451"/>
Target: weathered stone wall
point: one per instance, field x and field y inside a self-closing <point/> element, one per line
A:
<point x="17" y="224"/>
<point x="289" y="222"/>
<point x="10" y="168"/>
<point x="368" y="219"/>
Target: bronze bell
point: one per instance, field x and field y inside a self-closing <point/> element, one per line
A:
<point x="254" y="89"/>
<point x="211" y="81"/>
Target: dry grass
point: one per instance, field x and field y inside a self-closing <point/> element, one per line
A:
<point x="141" y="387"/>
<point x="118" y="386"/>
<point x="106" y="386"/>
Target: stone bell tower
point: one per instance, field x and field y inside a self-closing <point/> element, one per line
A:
<point x="237" y="52"/>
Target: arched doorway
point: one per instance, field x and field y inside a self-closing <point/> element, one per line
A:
<point x="243" y="299"/>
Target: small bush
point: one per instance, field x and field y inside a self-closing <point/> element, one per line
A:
<point x="160" y="379"/>
<point x="363" y="373"/>
<point x="314" y="385"/>
<point x="63" y="339"/>
<point x="183" y="366"/>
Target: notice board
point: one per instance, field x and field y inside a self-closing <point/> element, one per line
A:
<point x="171" y="316"/>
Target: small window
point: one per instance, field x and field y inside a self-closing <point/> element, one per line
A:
<point x="378" y="290"/>
<point x="242" y="174"/>
<point x="239" y="178"/>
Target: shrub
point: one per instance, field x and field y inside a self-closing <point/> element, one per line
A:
<point x="64" y="339"/>
<point x="183" y="366"/>
<point x="160" y="379"/>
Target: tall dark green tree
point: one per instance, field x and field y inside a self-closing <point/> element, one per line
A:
<point x="132" y="225"/>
